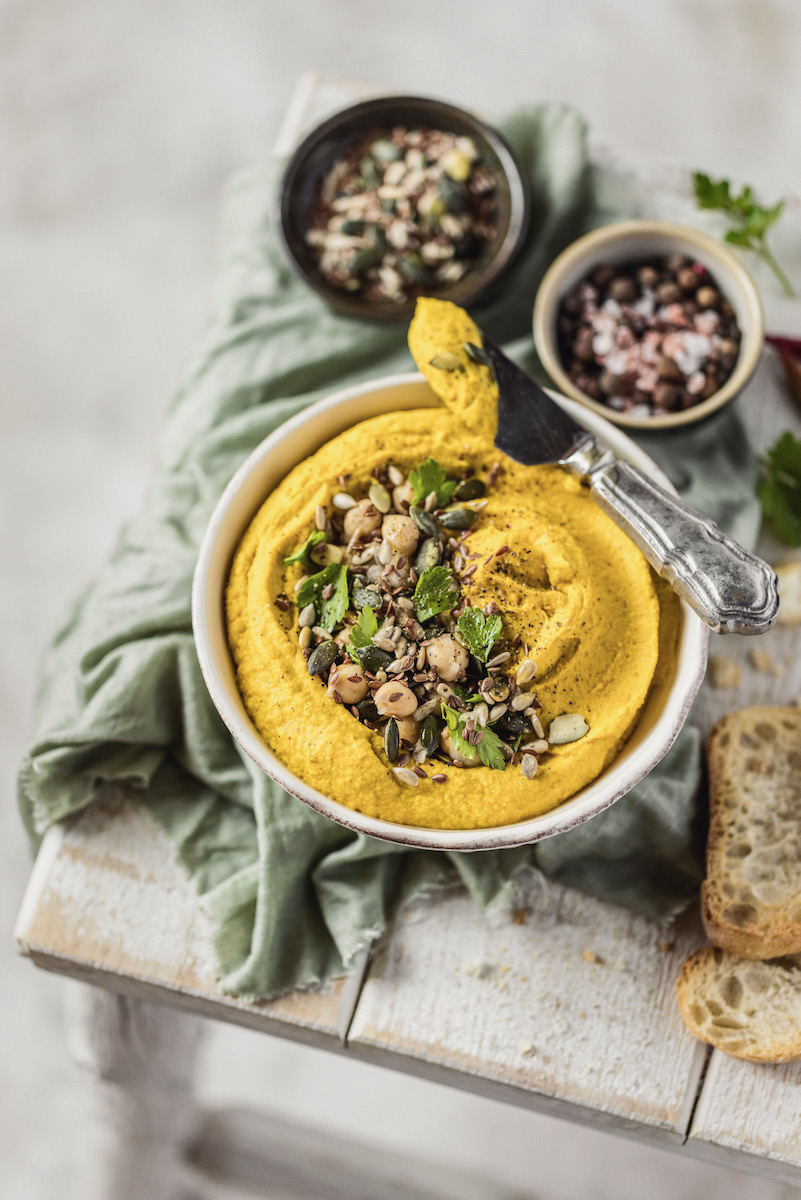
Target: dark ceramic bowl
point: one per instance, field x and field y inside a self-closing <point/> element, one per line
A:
<point x="325" y="144"/>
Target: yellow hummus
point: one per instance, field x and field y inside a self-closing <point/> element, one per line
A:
<point x="576" y="589"/>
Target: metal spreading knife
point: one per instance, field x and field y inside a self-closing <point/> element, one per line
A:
<point x="730" y="589"/>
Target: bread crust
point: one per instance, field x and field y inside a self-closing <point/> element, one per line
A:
<point x="746" y="1008"/>
<point x="751" y="898"/>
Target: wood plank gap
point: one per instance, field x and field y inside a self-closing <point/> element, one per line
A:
<point x="708" y="1052"/>
<point x="353" y="990"/>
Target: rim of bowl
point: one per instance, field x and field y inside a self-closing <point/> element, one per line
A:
<point x="569" y="266"/>
<point x="477" y="279"/>
<point x="208" y="626"/>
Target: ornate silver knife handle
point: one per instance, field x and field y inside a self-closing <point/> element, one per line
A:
<point x="731" y="590"/>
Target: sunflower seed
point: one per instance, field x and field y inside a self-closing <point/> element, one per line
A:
<point x="526" y="671"/>
<point x="406" y="776"/>
<point x="307" y="616"/>
<point x="529" y="766"/>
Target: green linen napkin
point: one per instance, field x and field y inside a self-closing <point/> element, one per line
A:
<point x="292" y="896"/>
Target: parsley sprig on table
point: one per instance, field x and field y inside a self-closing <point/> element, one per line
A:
<point x="750" y="221"/>
<point x="780" y="491"/>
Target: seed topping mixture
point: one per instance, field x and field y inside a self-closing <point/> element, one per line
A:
<point x="404" y="211"/>
<point x="648" y="338"/>
<point x="383" y="624"/>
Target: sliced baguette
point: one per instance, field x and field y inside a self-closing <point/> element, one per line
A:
<point x="751" y="898"/>
<point x="748" y="1009"/>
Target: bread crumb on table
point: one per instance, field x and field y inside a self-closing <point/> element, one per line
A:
<point x="724" y="672"/>
<point x="761" y="660"/>
<point x="591" y="957"/>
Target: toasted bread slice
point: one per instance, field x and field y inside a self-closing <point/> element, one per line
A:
<point x="751" y="898"/>
<point x="748" y="1009"/>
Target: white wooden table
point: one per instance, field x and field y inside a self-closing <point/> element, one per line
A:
<point x="569" y="1009"/>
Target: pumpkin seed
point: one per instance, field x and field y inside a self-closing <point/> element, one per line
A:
<point x="424" y="521"/>
<point x="445" y="362"/>
<point x="427" y="555"/>
<point x="385" y="151"/>
<point x="458" y="518"/>
<point x="364" y="596"/>
<point x="391" y="740"/>
<point x="429" y="735"/>
<point x="568" y="727"/>
<point x="513" y="724"/>
<point x="478" y="354"/>
<point x="380" y="497"/>
<point x="374" y="659"/>
<point x="452" y="194"/>
<point x="362" y="261"/>
<point x="412" y="267"/>
<point x="367" y="710"/>
<point x="470" y="489"/>
<point x="354" y="227"/>
<point x="323" y="658"/>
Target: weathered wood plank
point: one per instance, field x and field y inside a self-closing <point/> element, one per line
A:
<point x="107" y="904"/>
<point x="572" y="1013"/>
<point x="749" y="1112"/>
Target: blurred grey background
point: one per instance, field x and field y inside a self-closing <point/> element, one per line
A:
<point x="119" y="123"/>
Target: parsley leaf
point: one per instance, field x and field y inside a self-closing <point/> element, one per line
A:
<point x="489" y="751"/>
<point x="434" y="593"/>
<point x="455" y="730"/>
<point x="480" y="632"/>
<point x="780" y="492"/>
<point x="364" y="630"/>
<point x="332" y="610"/>
<point x="430" y="477"/>
<point x="302" y="554"/>
<point x="750" y="220"/>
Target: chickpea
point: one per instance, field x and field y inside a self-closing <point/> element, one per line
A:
<point x="348" y="680"/>
<point x="362" y="519"/>
<point x="395" y="700"/>
<point x="401" y="533"/>
<point x="409" y="729"/>
<point x="445" y="656"/>
<point x="447" y="745"/>
<point x="403" y="496"/>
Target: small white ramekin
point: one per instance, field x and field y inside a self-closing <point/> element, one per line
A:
<point x="632" y="241"/>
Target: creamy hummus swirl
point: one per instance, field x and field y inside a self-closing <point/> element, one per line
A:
<point x="576" y="589"/>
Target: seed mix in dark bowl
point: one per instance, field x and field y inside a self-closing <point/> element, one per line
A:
<point x="650" y="337"/>
<point x="403" y="212"/>
<point x="384" y="626"/>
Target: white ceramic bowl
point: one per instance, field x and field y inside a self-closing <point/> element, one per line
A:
<point x="659" y="723"/>
<point x="628" y="241"/>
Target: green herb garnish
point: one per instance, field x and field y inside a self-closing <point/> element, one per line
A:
<point x="480" y="632"/>
<point x="780" y="492"/>
<point x="332" y="610"/>
<point x="455" y="730"/>
<point x="751" y="221"/>
<point x="434" y="593"/>
<point x="303" y="553"/>
<point x="488" y="749"/>
<point x="364" y="630"/>
<point x="430" y="477"/>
